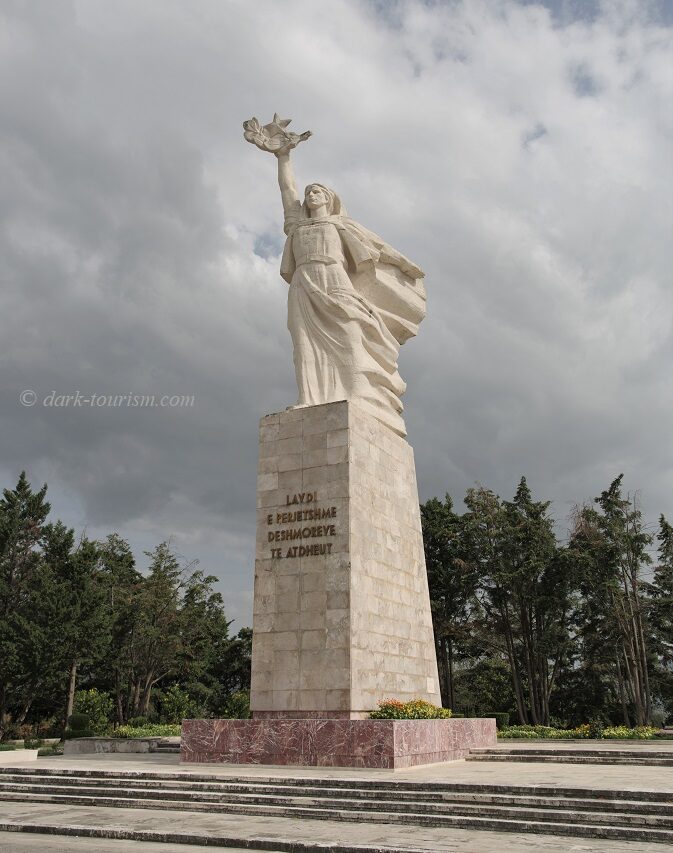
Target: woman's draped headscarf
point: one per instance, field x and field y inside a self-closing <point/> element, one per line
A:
<point x="335" y="208"/>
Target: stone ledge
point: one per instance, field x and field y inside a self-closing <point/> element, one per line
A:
<point x="94" y="745"/>
<point x="386" y="744"/>
<point x="10" y="757"/>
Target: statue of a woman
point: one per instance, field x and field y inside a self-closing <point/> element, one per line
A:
<point x="353" y="299"/>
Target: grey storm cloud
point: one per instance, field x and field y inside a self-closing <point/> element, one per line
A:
<point x="519" y="152"/>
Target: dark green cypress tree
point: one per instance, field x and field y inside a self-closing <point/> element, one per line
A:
<point x="661" y="616"/>
<point x="22" y="516"/>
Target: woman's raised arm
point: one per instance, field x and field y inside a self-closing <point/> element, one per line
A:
<point x="288" y="188"/>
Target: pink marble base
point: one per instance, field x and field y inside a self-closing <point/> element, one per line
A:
<point x="333" y="743"/>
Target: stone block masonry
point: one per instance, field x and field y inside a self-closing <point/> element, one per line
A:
<point x="341" y="605"/>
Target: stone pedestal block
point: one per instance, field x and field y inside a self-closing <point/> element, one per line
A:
<point x="342" y="611"/>
<point x="391" y="744"/>
<point x="341" y="606"/>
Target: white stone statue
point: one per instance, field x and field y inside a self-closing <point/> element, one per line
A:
<point x="353" y="300"/>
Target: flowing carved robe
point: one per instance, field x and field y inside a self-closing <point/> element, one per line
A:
<point x="353" y="301"/>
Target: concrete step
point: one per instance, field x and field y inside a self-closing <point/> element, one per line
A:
<point x="568" y="757"/>
<point x="632" y="815"/>
<point x="660" y="817"/>
<point x="317" y="783"/>
<point x="217" y="791"/>
<point x="272" y="835"/>
<point x="557" y="749"/>
<point x="169" y="746"/>
<point x="560" y="826"/>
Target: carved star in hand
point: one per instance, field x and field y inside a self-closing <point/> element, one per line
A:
<point x="280" y="123"/>
<point x="273" y="136"/>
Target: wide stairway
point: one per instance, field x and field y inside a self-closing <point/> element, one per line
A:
<point x="622" y="815"/>
<point x="555" y="754"/>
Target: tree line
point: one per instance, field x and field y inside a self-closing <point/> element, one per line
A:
<point x="77" y="613"/>
<point x="556" y="632"/>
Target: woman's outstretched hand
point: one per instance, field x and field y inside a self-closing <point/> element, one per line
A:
<point x="273" y="137"/>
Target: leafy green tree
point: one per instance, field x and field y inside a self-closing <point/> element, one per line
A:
<point x="237" y="706"/>
<point x="80" y="612"/>
<point x="168" y="627"/>
<point x="83" y="619"/>
<point x="205" y="640"/>
<point x="121" y="582"/>
<point x="177" y="705"/>
<point x="452" y="583"/>
<point x="483" y="684"/>
<point x="661" y="614"/>
<point x="609" y="545"/>
<point x="156" y="642"/>
<point x="22" y="516"/>
<point x="96" y="706"/>
<point x="231" y="672"/>
<point x="524" y="590"/>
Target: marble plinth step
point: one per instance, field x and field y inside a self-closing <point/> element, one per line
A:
<point x="638" y="815"/>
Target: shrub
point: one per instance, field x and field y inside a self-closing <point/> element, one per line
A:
<point x="49" y="727"/>
<point x="587" y="730"/>
<point x="501" y="718"/>
<point x="536" y="732"/>
<point x="137" y="722"/>
<point x="24" y="731"/>
<point x="97" y="706"/>
<point x="177" y="705"/>
<point x="51" y="749"/>
<point x="416" y="709"/>
<point x="7" y="747"/>
<point x="596" y="729"/>
<point x="237" y="706"/>
<point x="79" y="722"/>
<point x="518" y="732"/>
<point x="149" y="730"/>
<point x="71" y="734"/>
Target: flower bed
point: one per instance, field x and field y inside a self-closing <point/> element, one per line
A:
<point x="416" y="709"/>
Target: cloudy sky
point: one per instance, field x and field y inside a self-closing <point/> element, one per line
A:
<point x="521" y="153"/>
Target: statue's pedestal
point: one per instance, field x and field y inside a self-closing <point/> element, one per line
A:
<point x="341" y="608"/>
<point x="341" y="611"/>
<point x="386" y="744"/>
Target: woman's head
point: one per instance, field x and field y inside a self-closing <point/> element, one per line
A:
<point x="317" y="195"/>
